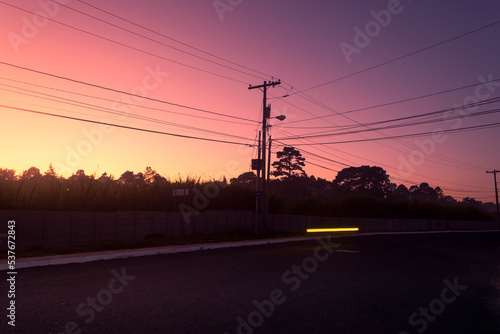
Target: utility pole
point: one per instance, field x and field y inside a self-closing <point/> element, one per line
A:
<point x="257" y="190"/>
<point x="266" y="113"/>
<point x="494" y="172"/>
<point x="268" y="164"/>
<point x="266" y="197"/>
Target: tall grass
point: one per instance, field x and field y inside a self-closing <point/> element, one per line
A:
<point x="149" y="191"/>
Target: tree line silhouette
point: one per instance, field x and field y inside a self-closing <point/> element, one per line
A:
<point x="364" y="191"/>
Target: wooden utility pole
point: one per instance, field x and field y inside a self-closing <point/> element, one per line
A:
<point x="257" y="191"/>
<point x="494" y="172"/>
<point x="266" y="198"/>
<point x="266" y="113"/>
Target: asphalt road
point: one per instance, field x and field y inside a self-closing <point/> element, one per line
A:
<point x="426" y="283"/>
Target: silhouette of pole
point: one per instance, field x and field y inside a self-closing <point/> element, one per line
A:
<point x="266" y="113"/>
<point x="494" y="172"/>
<point x="257" y="189"/>
<point x="267" y="174"/>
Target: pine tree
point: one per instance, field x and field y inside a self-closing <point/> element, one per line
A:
<point x="290" y="163"/>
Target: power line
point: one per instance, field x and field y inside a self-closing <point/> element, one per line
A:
<point x="324" y="106"/>
<point x="81" y="1"/>
<point x="362" y="125"/>
<point x="172" y="39"/>
<point x="400" y="57"/>
<point x="476" y="127"/>
<point x="317" y="156"/>
<point x="375" y="162"/>
<point x="391" y="103"/>
<point x="122" y="92"/>
<point x="110" y="100"/>
<point x="154" y="40"/>
<point x="455" y="163"/>
<point x="123" y="44"/>
<point x="111" y="111"/>
<point x="124" y="127"/>
<point x="467" y="191"/>
<point x="394" y="178"/>
<point x="430" y="120"/>
<point x="352" y="120"/>
<point x="320" y="166"/>
<point x="394" y="126"/>
<point x="329" y="148"/>
<point x="382" y="164"/>
<point x="302" y="94"/>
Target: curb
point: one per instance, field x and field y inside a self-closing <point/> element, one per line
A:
<point x="123" y="254"/>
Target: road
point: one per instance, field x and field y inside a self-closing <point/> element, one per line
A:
<point x="423" y="283"/>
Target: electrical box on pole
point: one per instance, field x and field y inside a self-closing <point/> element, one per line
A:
<point x="267" y="112"/>
<point x="256" y="164"/>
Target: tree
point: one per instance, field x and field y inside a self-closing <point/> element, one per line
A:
<point x="440" y="193"/>
<point x="290" y="163"/>
<point x="425" y="192"/>
<point x="7" y="174"/>
<point x="79" y="177"/>
<point x="127" y="177"/>
<point x="51" y="172"/>
<point x="364" y="180"/>
<point x="472" y="202"/>
<point x="31" y="173"/>
<point x="150" y="175"/>
<point x="319" y="186"/>
<point x="248" y="178"/>
<point x="401" y="193"/>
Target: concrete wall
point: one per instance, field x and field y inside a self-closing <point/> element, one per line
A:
<point x="55" y="228"/>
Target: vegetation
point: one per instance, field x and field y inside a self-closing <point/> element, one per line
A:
<point x="364" y="191"/>
<point x="290" y="163"/>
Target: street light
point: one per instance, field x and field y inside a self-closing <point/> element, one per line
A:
<point x="280" y="117"/>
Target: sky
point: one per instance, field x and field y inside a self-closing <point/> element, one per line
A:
<point x="174" y="75"/>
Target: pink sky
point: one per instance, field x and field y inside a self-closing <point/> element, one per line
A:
<point x="299" y="43"/>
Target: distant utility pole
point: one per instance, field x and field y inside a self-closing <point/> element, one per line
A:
<point x="494" y="172"/>
<point x="266" y="113"/>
